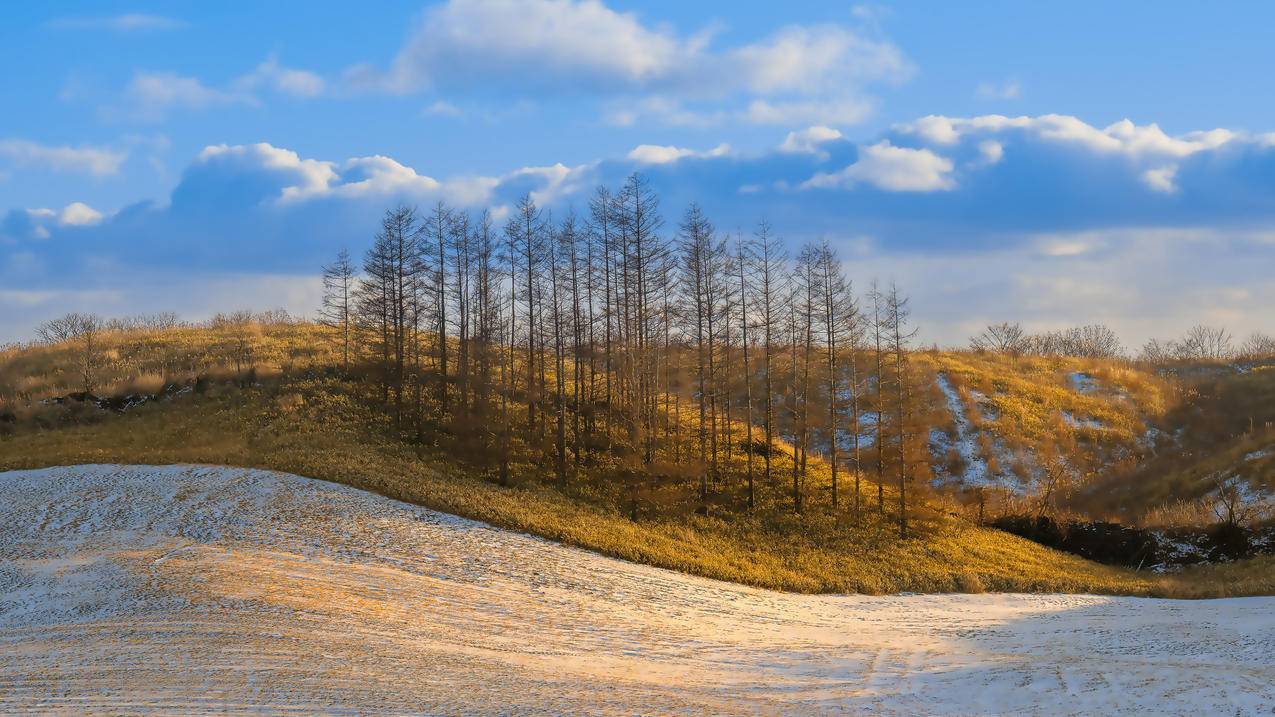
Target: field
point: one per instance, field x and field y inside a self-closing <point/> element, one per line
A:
<point x="200" y="590"/>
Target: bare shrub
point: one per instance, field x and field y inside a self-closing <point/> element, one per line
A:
<point x="1007" y="338"/>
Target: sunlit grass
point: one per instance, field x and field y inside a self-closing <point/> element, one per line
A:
<point x="299" y="419"/>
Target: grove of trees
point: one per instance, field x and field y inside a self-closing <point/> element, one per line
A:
<point x="613" y="335"/>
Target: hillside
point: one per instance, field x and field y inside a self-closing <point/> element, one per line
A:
<point x="288" y="411"/>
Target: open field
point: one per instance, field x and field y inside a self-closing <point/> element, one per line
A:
<point x="200" y="589"/>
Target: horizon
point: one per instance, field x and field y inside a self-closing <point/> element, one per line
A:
<point x="157" y="167"/>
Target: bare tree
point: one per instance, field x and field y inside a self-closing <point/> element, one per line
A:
<point x="837" y="311"/>
<point x="1257" y="346"/>
<point x="338" y="297"/>
<point x="1092" y="341"/>
<point x="525" y="231"/>
<point x="1206" y="343"/>
<point x="897" y="317"/>
<point x="879" y="327"/>
<point x="744" y="259"/>
<point x="84" y="330"/>
<point x="1006" y="338"/>
<point x="769" y="261"/>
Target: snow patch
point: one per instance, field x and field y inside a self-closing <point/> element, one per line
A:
<point x="976" y="472"/>
<point x="1082" y="382"/>
<point x="202" y="590"/>
<point x="1257" y="455"/>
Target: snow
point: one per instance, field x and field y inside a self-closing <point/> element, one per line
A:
<point x="977" y="472"/>
<point x="1081" y="421"/>
<point x="1083" y="382"/>
<point x="199" y="590"/>
<point x="1257" y="455"/>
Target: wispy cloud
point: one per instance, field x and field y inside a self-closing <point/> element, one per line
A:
<point x="128" y="22"/>
<point x="285" y="80"/>
<point x="1007" y="90"/>
<point x="152" y="96"/>
<point x="84" y="159"/>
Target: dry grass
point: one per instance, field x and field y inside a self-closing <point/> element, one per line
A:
<point x="1025" y="398"/>
<point x="315" y="429"/>
<point x="143" y="361"/>
<point x="324" y="429"/>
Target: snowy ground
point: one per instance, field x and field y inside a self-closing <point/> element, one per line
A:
<point x="133" y="590"/>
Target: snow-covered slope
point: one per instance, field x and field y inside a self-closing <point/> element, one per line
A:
<point x="197" y="590"/>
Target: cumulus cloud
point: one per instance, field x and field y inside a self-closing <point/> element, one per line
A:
<point x="540" y="42"/>
<point x="583" y="47"/>
<point x="25" y="225"/>
<point x="893" y="169"/>
<point x="807" y="141"/>
<point x="1154" y="155"/>
<point x="1123" y="137"/>
<point x="79" y="214"/>
<point x="85" y="159"/>
<point x="1043" y="221"/>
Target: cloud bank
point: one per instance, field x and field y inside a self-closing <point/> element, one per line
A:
<point x="1049" y="220"/>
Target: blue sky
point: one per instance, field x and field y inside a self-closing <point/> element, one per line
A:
<point x="1049" y="163"/>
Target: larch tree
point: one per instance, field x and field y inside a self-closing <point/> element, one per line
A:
<point x="338" y="302"/>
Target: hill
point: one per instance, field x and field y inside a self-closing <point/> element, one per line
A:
<point x="285" y="406"/>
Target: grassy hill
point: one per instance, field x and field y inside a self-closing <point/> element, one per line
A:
<point x="266" y="395"/>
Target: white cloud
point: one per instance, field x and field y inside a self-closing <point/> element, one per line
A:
<point x="1123" y="137"/>
<point x="79" y="214"/>
<point x="816" y="60"/>
<point x="442" y="108"/>
<point x="1008" y="90"/>
<point x="538" y="41"/>
<point x="1161" y="178"/>
<point x="379" y="178"/>
<point x="658" y="154"/>
<point x="285" y="80"/>
<point x="893" y="169"/>
<point x="98" y="161"/>
<point x="851" y="110"/>
<point x="809" y="140"/>
<point x="1142" y="282"/>
<point x="382" y="176"/>
<point x="129" y="22"/>
<point x="991" y="151"/>
<point x="308" y="177"/>
<point x="799" y="74"/>
<point x="1145" y="146"/>
<point x="152" y="95"/>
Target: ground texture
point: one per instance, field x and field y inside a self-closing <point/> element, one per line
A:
<point x="203" y="590"/>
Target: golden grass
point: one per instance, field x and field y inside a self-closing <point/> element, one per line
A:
<point x="143" y="361"/>
<point x="321" y="429"/>
<point x="315" y="429"/>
